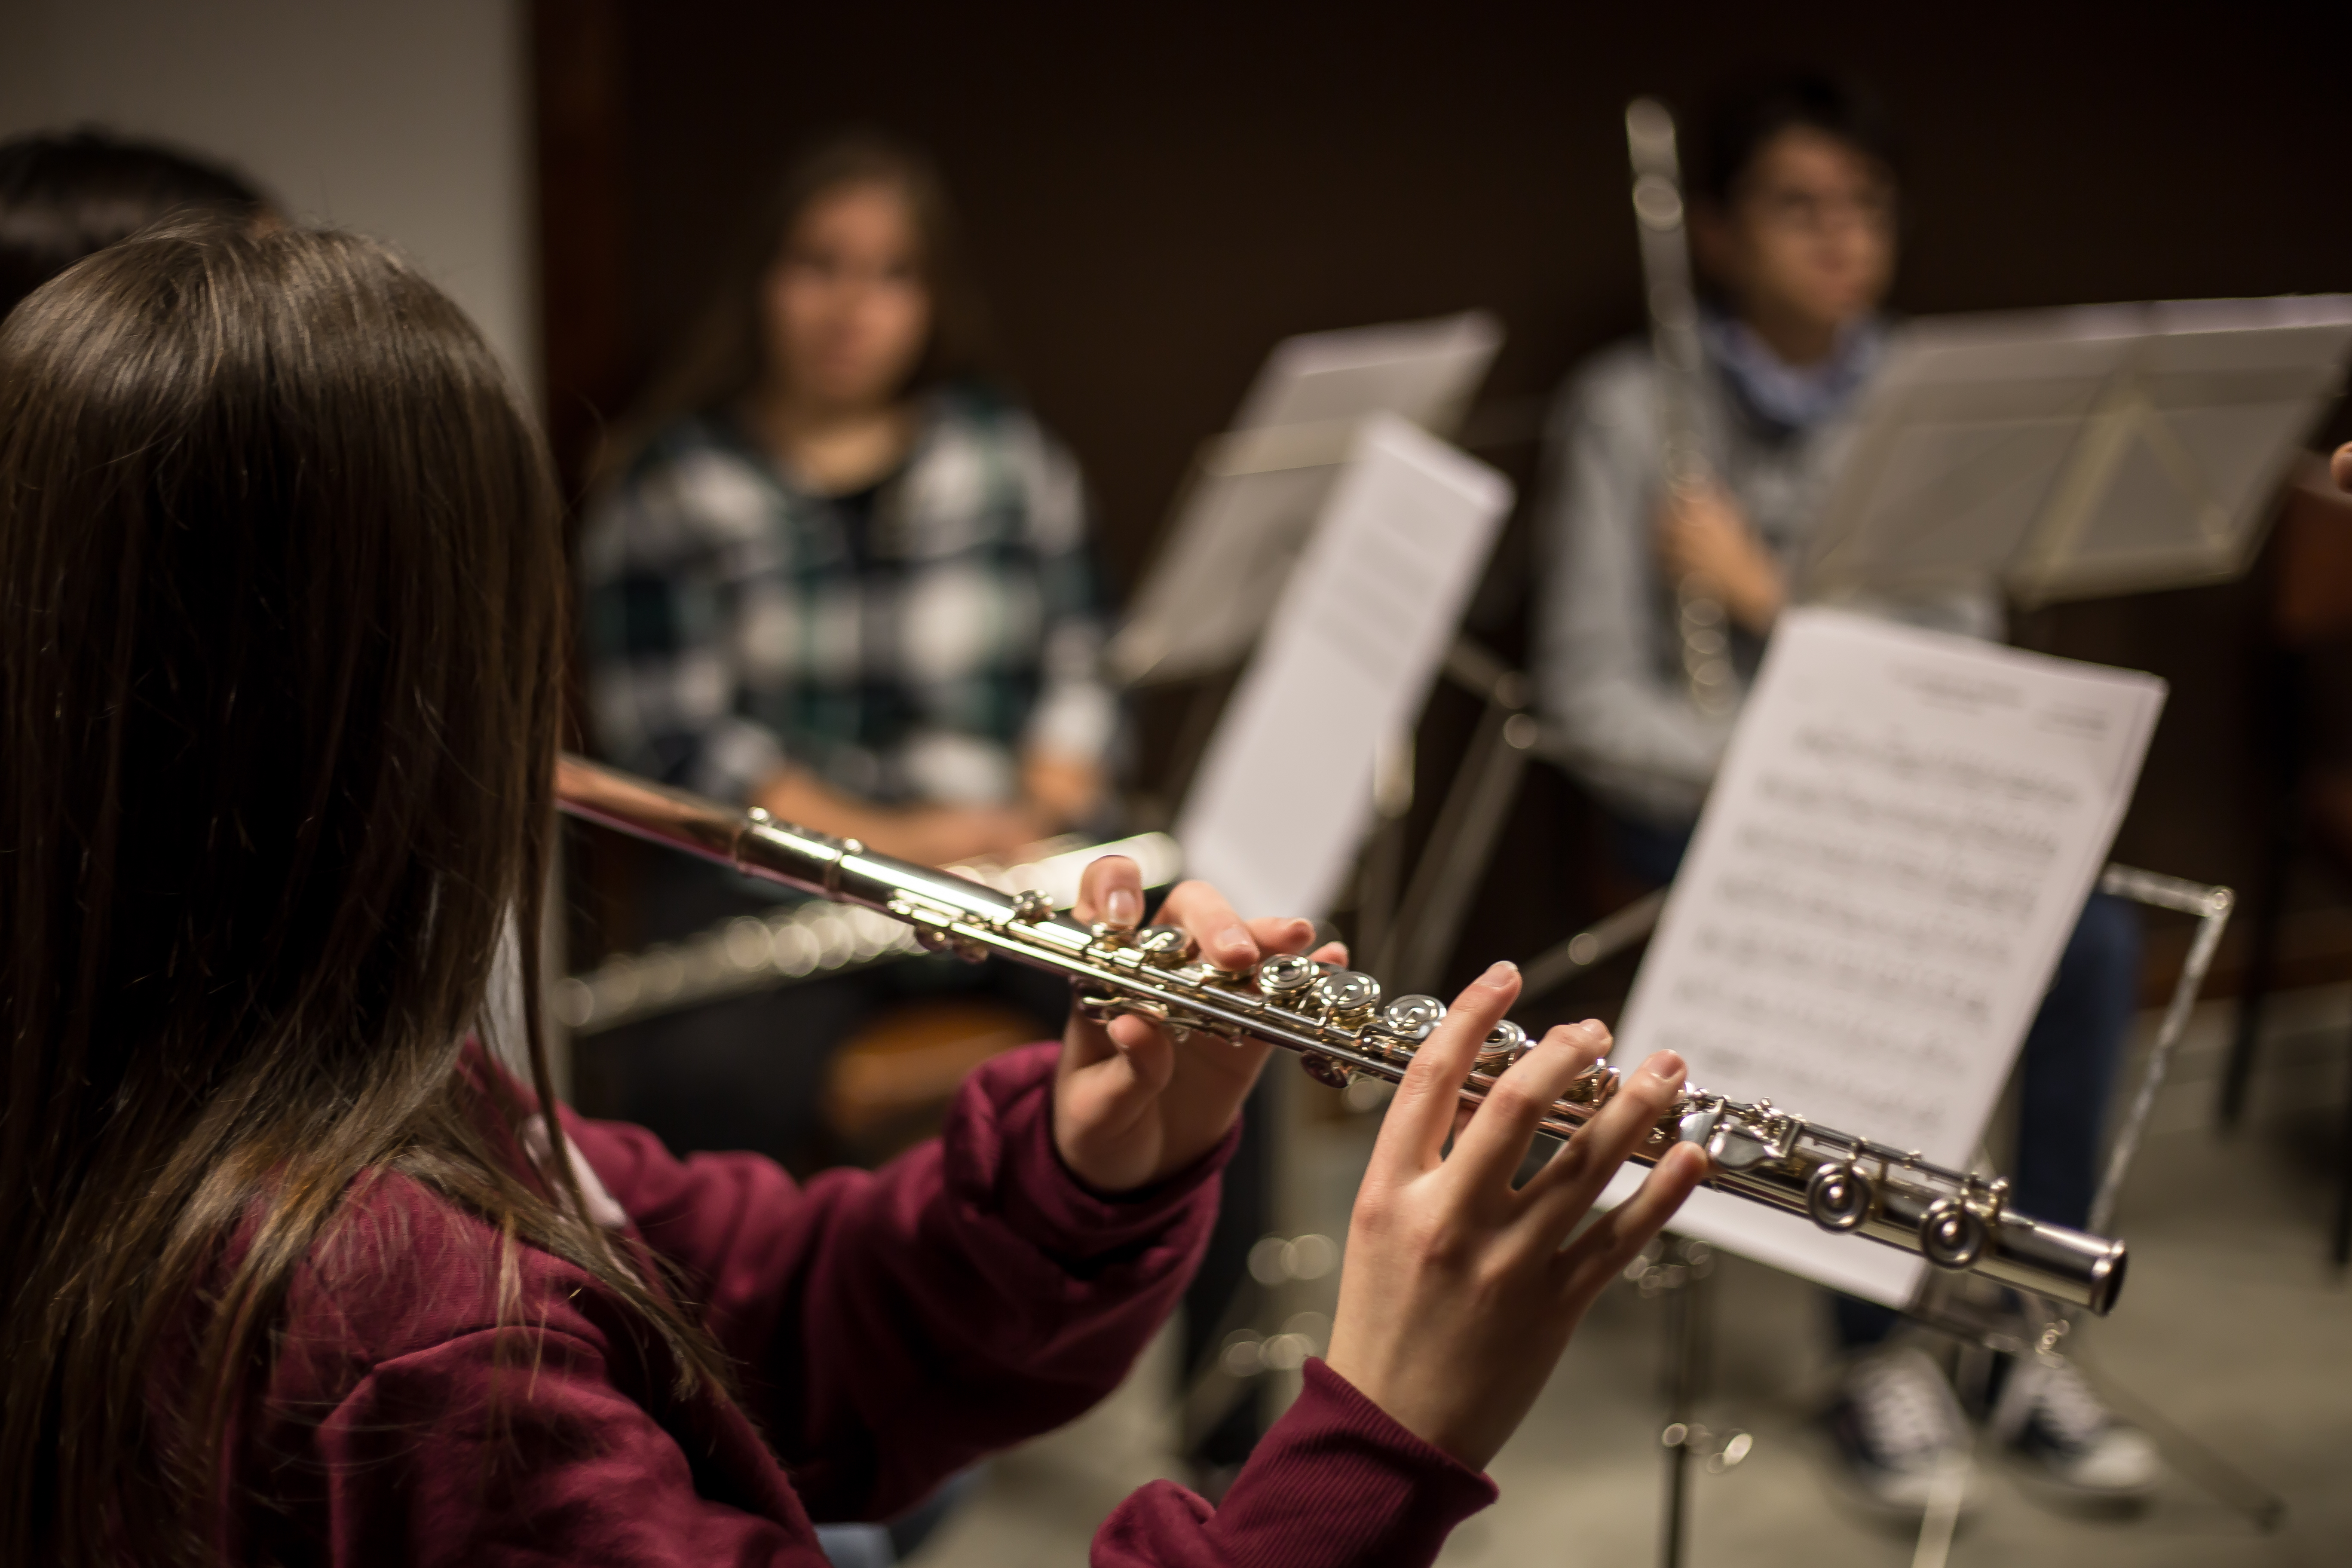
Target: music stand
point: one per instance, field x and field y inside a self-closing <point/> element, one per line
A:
<point x="1241" y="519"/>
<point x="2076" y="453"/>
<point x="1243" y="512"/>
<point x="1357" y="635"/>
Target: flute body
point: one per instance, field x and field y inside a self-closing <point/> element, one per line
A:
<point x="1659" y="216"/>
<point x="1341" y="1028"/>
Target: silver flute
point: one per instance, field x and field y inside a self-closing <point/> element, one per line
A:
<point x="1342" y="1027"/>
<point x="1658" y="218"/>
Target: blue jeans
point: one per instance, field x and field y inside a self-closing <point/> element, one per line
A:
<point x="2066" y="1071"/>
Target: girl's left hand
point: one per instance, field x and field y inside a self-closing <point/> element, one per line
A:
<point x="1133" y="1105"/>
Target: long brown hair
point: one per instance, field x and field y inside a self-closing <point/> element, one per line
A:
<point x="721" y="356"/>
<point x="280" y="613"/>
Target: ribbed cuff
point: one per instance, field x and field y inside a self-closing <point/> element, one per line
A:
<point x="1337" y="1482"/>
<point x="1000" y="1151"/>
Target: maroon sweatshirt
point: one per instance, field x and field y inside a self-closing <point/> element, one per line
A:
<point x="890" y="1327"/>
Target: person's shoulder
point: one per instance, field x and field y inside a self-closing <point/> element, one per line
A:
<point x="403" y="1267"/>
<point x="979" y="437"/>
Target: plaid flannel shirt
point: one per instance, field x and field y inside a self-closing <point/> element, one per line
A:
<point x="736" y="622"/>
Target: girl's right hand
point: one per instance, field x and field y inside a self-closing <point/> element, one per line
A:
<point x="1459" y="1293"/>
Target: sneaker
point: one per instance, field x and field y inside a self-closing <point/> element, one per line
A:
<point x="2055" y="1424"/>
<point x="1898" y="1428"/>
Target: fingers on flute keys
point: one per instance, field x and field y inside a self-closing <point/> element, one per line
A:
<point x="1497" y="1138"/>
<point x="1413" y="1133"/>
<point x="1563" y="1193"/>
<point x="1572" y="1179"/>
<point x="1222" y="938"/>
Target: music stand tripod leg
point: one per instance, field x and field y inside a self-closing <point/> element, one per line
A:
<point x="1683" y="1328"/>
<point x="2212" y="907"/>
<point x="1680" y="1275"/>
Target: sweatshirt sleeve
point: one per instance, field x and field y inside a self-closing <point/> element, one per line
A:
<point x="1335" y="1484"/>
<point x="895" y="1324"/>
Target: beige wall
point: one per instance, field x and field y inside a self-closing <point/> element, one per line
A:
<point x="405" y="120"/>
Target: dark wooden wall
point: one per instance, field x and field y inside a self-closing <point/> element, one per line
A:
<point x="1154" y="195"/>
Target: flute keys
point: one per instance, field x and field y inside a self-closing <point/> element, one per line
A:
<point x="1288" y="977"/>
<point x="1952" y="1234"/>
<point x="1397" y="1030"/>
<point x="1347" y="996"/>
<point x="1593" y="1086"/>
<point x="1506" y="1044"/>
<point x="1164" y="947"/>
<point x="1838" y="1197"/>
<point x="1413" y="1016"/>
<point x="1327" y="1071"/>
<point x="1410" y="1017"/>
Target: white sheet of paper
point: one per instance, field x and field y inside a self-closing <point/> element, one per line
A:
<point x="1284" y="794"/>
<point x="1903" y="834"/>
<point x="1245" y="512"/>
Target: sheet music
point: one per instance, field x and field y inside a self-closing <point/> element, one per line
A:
<point x="1903" y="832"/>
<point x="1284" y="794"/>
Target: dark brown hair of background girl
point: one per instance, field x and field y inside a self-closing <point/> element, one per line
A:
<point x="720" y="357"/>
<point x="68" y="194"/>
<point x="279" y="622"/>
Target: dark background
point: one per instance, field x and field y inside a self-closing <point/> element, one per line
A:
<point x="1152" y="196"/>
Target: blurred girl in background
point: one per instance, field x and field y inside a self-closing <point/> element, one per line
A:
<point x="835" y="573"/>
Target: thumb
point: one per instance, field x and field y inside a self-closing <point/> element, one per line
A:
<point x="1112" y="1091"/>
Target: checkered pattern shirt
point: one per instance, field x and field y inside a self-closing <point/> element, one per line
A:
<point x="910" y="650"/>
